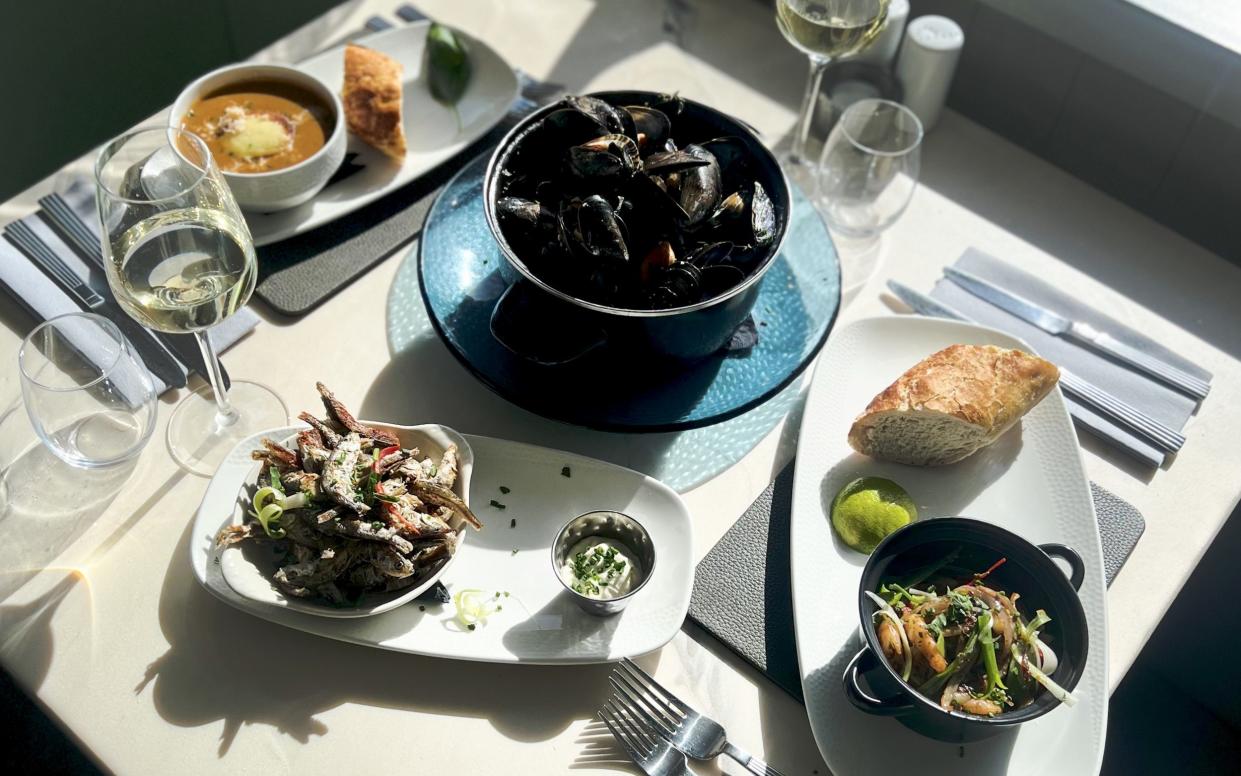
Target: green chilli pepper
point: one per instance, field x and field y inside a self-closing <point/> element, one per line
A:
<point x="447" y="65"/>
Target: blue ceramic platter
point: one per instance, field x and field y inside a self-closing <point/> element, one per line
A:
<point x="459" y="273"/>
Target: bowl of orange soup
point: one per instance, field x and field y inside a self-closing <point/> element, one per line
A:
<point x="277" y="133"/>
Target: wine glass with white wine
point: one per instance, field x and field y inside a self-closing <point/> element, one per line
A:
<point x="824" y="30"/>
<point x="180" y="259"/>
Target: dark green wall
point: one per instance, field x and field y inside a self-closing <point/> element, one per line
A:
<point x="77" y="72"/>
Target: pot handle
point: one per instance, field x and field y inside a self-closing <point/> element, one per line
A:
<point x="1069" y="556"/>
<point x="540" y="328"/>
<point x="862" y="662"/>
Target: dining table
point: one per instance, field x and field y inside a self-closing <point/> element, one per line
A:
<point x="104" y="625"/>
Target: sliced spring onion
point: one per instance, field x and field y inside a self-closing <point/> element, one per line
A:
<point x="296" y="501"/>
<point x="1029" y="634"/>
<point x="1030" y="631"/>
<point x="1060" y="694"/>
<point x="1047" y="660"/>
<point x="987" y="638"/>
<point x="473" y="607"/>
<point x="270" y="504"/>
<point x="958" y="667"/>
<point x="268" y="514"/>
<point x="887" y="611"/>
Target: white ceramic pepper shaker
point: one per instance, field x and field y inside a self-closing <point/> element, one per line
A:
<point x="883" y="50"/>
<point x="926" y="64"/>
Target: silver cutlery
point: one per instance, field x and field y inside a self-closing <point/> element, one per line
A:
<point x="1080" y="332"/>
<point x="72" y="228"/>
<point x="700" y="737"/>
<point x="1128" y="416"/>
<point x="648" y="750"/>
<point x="83" y="239"/>
<point x="152" y="352"/>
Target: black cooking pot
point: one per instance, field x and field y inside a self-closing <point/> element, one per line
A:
<point x="549" y="326"/>
<point x="1028" y="570"/>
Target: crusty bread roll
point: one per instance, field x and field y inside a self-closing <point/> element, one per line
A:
<point x="951" y="404"/>
<point x="372" y="99"/>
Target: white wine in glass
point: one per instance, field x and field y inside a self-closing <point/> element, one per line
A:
<point x="180" y="260"/>
<point x="824" y="30"/>
<point x="184" y="270"/>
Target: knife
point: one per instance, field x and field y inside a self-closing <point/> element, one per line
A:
<point x="1122" y="413"/>
<point x="156" y="357"/>
<point x="1080" y="332"/>
<point x="83" y="239"/>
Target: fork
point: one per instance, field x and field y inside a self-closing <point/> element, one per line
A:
<point x="697" y="736"/>
<point x="648" y="750"/>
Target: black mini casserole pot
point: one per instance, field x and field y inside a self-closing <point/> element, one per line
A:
<point x="1028" y="570"/>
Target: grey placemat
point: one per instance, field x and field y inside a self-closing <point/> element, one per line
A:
<point x="298" y="274"/>
<point x="1159" y="401"/>
<point x="742" y="588"/>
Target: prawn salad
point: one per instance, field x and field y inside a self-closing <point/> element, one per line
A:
<point x="968" y="648"/>
<point x="352" y="510"/>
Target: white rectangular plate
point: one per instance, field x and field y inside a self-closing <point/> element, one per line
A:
<point x="1031" y="482"/>
<point x="539" y="622"/>
<point x="432" y="131"/>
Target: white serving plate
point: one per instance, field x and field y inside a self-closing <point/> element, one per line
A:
<point x="247" y="567"/>
<point x="431" y="130"/>
<point x="1031" y="482"/>
<point x="539" y="622"/>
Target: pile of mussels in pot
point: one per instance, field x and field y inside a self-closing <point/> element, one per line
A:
<point x="611" y="204"/>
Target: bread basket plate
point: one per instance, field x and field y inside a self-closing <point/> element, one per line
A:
<point x="539" y="622"/>
<point x="432" y="131"/>
<point x="1031" y="481"/>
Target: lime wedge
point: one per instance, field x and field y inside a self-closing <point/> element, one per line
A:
<point x="868" y="509"/>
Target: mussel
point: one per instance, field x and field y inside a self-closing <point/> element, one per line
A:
<point x="676" y="286"/>
<point x="711" y="254"/>
<point x="699" y="192"/>
<point x="528" y="223"/>
<point x="652" y="127"/>
<point x="611" y="119"/>
<point x="671" y="162"/>
<point x="747" y="215"/>
<point x="608" y="203"/>
<point x="605" y="157"/>
<point x="592" y="231"/>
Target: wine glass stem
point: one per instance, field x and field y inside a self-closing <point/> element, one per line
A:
<point x="225" y="415"/>
<point x="817" y="66"/>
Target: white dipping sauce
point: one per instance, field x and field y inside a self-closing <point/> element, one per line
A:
<point x="607" y="569"/>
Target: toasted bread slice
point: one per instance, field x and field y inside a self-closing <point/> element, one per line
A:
<point x="951" y="404"/>
<point x="372" y="98"/>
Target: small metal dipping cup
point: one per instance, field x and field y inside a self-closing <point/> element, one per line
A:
<point x="611" y="525"/>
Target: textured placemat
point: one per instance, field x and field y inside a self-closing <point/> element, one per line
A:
<point x="298" y="274"/>
<point x="742" y="588"/>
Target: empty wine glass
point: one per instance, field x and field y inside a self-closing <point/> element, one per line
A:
<point x="869" y="167"/>
<point x="867" y="173"/>
<point x="89" y="398"/>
